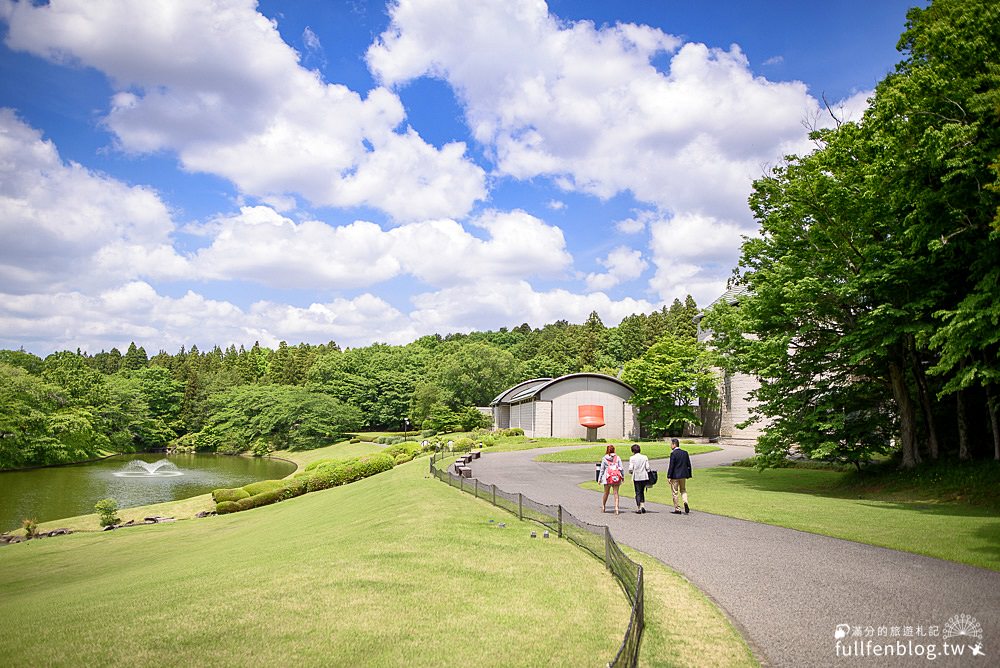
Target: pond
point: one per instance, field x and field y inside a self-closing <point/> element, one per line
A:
<point x="132" y="480"/>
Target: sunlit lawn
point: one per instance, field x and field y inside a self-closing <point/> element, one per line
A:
<point x="397" y="569"/>
<point x="594" y="453"/>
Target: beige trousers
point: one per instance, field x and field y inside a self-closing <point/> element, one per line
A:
<point x="678" y="486"/>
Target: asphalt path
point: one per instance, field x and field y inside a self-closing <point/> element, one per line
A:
<point x="786" y="590"/>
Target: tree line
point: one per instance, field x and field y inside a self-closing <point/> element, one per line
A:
<point x="71" y="406"/>
<point x="870" y="303"/>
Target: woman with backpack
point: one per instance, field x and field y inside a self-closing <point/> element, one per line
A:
<point x="611" y="476"/>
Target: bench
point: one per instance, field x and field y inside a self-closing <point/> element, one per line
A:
<point x="476" y="454"/>
<point x="465" y="471"/>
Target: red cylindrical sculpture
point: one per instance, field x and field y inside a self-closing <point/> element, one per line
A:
<point x="591" y="416"/>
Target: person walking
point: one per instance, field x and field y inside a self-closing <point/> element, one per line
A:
<point x="611" y="476"/>
<point x="678" y="471"/>
<point x="638" y="466"/>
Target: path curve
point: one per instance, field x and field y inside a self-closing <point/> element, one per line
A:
<point x="786" y="590"/>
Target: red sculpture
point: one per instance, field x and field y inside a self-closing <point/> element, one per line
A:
<point x="591" y="416"/>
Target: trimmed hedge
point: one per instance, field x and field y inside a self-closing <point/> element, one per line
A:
<point x="226" y="507"/>
<point x="321" y="474"/>
<point x="255" y="488"/>
<point x="234" y="494"/>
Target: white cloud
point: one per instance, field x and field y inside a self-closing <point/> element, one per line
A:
<point x="493" y="304"/>
<point x="65" y="225"/>
<point x="214" y="82"/>
<point x="637" y="223"/>
<point x="556" y="205"/>
<point x="694" y="254"/>
<point x="623" y="264"/>
<point x="585" y="105"/>
<point x="135" y="311"/>
<point x="262" y="246"/>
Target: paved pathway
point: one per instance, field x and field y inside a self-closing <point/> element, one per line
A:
<point x="785" y="589"/>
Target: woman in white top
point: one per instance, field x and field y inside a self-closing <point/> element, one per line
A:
<point x="638" y="466"/>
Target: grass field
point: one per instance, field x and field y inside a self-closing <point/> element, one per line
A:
<point x="820" y="502"/>
<point x="342" y="450"/>
<point x="397" y="569"/>
<point x="594" y="453"/>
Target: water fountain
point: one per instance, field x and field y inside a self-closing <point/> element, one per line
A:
<point x="138" y="468"/>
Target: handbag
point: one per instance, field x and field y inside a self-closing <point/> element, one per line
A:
<point x="653" y="476"/>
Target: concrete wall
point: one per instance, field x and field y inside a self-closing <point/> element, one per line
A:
<point x="566" y="395"/>
<point x="733" y="408"/>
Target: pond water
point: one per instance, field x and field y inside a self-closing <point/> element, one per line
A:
<point x="131" y="480"/>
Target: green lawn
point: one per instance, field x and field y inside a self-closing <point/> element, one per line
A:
<point x="342" y="450"/>
<point x="397" y="569"/>
<point x="593" y="453"/>
<point x="819" y="502"/>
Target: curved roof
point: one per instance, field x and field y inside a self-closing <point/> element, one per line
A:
<point x="508" y="393"/>
<point x="525" y="391"/>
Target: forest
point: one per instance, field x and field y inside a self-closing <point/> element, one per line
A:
<point x="72" y="406"/>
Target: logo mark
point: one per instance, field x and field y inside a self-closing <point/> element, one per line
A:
<point x="965" y="626"/>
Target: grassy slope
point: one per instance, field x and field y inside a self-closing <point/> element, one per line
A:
<point x="342" y="450"/>
<point x="396" y="569"/>
<point x="594" y="453"/>
<point x="683" y="628"/>
<point x="818" y="502"/>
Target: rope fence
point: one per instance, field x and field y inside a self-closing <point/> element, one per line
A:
<point x="593" y="538"/>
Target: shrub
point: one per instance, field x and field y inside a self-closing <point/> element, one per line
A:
<point x="30" y="526"/>
<point x="512" y="432"/>
<point x="256" y="488"/>
<point x="234" y="494"/>
<point x="261" y="448"/>
<point x="403" y="457"/>
<point x="407" y="448"/>
<point x="355" y="440"/>
<point x="226" y="507"/>
<point x="463" y="445"/>
<point x="294" y="487"/>
<point x="108" y="511"/>
<point x="427" y="433"/>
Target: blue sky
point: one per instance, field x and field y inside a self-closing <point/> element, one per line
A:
<point x="194" y="172"/>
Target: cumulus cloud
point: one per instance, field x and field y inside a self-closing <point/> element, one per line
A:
<point x="135" y="311"/>
<point x="623" y="264"/>
<point x="694" y="254"/>
<point x="214" y="82"/>
<point x="63" y="224"/>
<point x="263" y="246"/>
<point x="584" y="104"/>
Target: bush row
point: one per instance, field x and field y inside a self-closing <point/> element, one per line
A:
<point x="319" y="475"/>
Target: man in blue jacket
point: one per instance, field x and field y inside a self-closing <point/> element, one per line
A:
<point x="678" y="471"/>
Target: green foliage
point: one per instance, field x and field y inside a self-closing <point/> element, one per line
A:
<point x="334" y="473"/>
<point x="877" y="262"/>
<point x="512" y="431"/>
<point x="669" y="380"/>
<point x="226" y="507"/>
<point x="463" y="445"/>
<point x="107" y="509"/>
<point x="255" y="488"/>
<point x="30" y="526"/>
<point x="234" y="494"/>
<point x="283" y="418"/>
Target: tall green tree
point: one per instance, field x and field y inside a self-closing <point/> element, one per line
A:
<point x="671" y="380"/>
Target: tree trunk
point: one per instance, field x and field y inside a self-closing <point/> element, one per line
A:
<point x="963" y="426"/>
<point x="925" y="399"/>
<point x="907" y="417"/>
<point x="994" y="408"/>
